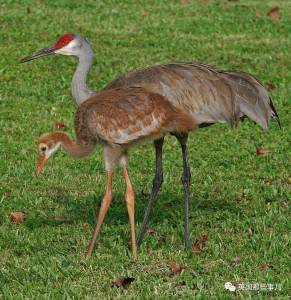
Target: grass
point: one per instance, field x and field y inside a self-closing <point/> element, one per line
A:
<point x="239" y="199"/>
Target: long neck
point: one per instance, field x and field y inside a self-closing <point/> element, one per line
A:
<point x="80" y="90"/>
<point x="79" y="149"/>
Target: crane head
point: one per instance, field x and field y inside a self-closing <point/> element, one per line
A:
<point x="67" y="44"/>
<point x="47" y="146"/>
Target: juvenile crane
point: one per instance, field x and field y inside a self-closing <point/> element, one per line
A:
<point x="142" y="116"/>
<point x="208" y="94"/>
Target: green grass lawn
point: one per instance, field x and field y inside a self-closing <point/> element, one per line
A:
<point x="239" y="200"/>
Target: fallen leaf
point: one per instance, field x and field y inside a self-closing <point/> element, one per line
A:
<point x="235" y="261"/>
<point x="175" y="269"/>
<point x="258" y="14"/>
<point x="265" y="267"/>
<point x="199" y="243"/>
<point x="59" y="125"/>
<point x="144" y="13"/>
<point x="124" y="282"/>
<point x="273" y="13"/>
<point x="17" y="216"/>
<point x="262" y="151"/>
<point x="150" y="231"/>
<point x="270" y="85"/>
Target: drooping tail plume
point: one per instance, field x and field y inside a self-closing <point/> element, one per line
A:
<point x="254" y="99"/>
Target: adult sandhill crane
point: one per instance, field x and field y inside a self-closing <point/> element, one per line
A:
<point x="208" y="94"/>
<point x="142" y="116"/>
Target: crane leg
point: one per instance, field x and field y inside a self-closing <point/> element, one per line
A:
<point x="102" y="212"/>
<point x="186" y="177"/>
<point x="129" y="197"/>
<point x="157" y="182"/>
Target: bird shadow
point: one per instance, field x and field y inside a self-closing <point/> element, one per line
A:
<point x="85" y="209"/>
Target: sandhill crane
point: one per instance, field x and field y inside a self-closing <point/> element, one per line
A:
<point x="208" y="94"/>
<point x="142" y="116"/>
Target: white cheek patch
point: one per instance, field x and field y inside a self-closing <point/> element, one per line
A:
<point x="52" y="150"/>
<point x="68" y="49"/>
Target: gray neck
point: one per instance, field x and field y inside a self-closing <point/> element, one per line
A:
<point x="80" y="90"/>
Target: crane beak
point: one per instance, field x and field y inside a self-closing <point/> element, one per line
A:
<point x="41" y="163"/>
<point x="43" y="52"/>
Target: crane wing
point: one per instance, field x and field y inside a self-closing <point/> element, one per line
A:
<point x="208" y="94"/>
<point x="124" y="116"/>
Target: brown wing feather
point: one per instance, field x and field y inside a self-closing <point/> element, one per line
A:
<point x="130" y="115"/>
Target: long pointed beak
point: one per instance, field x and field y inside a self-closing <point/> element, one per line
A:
<point x="40" y="165"/>
<point x="43" y="52"/>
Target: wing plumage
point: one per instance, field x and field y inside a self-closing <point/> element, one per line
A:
<point x="124" y="116"/>
<point x="208" y="94"/>
<point x="130" y="120"/>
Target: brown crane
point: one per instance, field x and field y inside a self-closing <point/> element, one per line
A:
<point x="142" y="116"/>
<point x="209" y="95"/>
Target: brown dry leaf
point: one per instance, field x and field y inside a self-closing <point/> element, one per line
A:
<point x="150" y="231"/>
<point x="144" y="13"/>
<point x="199" y="243"/>
<point x="17" y="216"/>
<point x="175" y="269"/>
<point x="235" y="261"/>
<point x="273" y="13"/>
<point x="262" y="151"/>
<point x="258" y="14"/>
<point x="270" y="85"/>
<point x="124" y="282"/>
<point x="265" y="267"/>
<point x="59" y="125"/>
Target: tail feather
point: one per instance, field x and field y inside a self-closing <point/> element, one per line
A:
<point x="274" y="113"/>
<point x="254" y="99"/>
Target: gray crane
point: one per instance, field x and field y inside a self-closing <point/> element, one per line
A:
<point x="206" y="93"/>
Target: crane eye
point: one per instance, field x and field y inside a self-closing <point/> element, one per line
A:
<point x="43" y="148"/>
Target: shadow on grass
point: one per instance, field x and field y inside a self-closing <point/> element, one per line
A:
<point x="85" y="209"/>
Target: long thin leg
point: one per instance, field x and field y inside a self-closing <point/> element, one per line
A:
<point x="102" y="212"/>
<point x="129" y="197"/>
<point x="186" y="177"/>
<point x="157" y="182"/>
